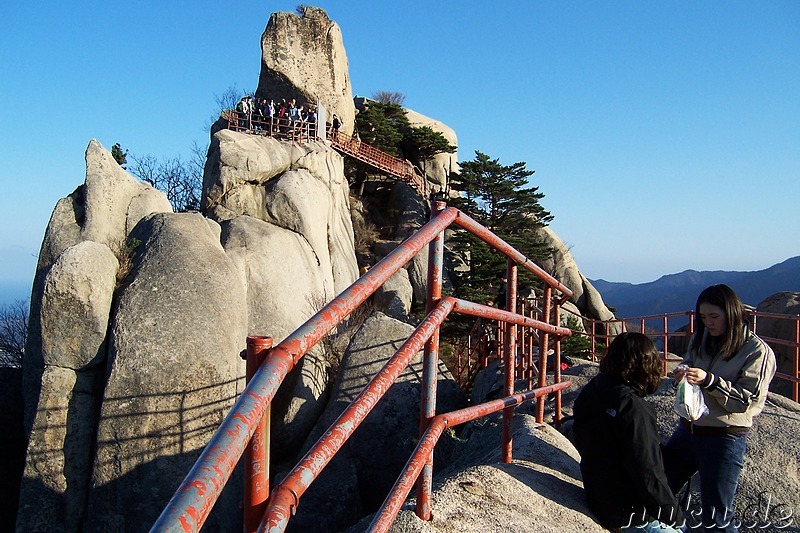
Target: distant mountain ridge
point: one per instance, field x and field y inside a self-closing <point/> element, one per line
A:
<point x="675" y="293"/>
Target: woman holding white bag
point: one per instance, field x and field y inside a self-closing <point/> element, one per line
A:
<point x="733" y="368"/>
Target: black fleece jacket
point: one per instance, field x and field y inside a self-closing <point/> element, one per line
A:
<point x="623" y="473"/>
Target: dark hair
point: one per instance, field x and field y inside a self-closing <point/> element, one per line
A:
<point x="633" y="358"/>
<point x="730" y="342"/>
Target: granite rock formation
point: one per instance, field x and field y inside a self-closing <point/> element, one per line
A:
<point x="303" y="57"/>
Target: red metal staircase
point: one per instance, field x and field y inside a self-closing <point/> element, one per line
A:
<point x="401" y="169"/>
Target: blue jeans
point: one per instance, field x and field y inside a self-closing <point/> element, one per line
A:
<point x="719" y="460"/>
<point x="652" y="527"/>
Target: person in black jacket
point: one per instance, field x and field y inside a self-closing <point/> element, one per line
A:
<point x="615" y="432"/>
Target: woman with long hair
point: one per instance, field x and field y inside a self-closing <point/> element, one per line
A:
<point x="733" y="368"/>
<point x="616" y="434"/>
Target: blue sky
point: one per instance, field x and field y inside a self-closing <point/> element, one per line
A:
<point x="665" y="135"/>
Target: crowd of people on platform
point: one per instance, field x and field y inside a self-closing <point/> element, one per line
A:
<point x="276" y="118"/>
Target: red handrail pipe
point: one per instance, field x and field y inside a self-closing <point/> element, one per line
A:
<point x="287" y="494"/>
<point x="194" y="498"/>
<point x="392" y="504"/>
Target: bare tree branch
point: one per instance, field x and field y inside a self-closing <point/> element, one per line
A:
<point x="13" y="332"/>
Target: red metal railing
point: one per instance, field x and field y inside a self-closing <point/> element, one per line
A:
<point x="284" y="128"/>
<point x="658" y="327"/>
<point x="394" y="166"/>
<point x="486" y="341"/>
<point x="424" y="450"/>
<point x="191" y="503"/>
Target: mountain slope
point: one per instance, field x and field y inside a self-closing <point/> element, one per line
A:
<point x="678" y="292"/>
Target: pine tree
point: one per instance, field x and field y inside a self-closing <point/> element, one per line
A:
<point x="382" y="125"/>
<point x="120" y="156"/>
<point x="385" y="125"/>
<point x="496" y="196"/>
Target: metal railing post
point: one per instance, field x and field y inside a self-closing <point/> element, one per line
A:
<point x="557" y="365"/>
<point x="543" y="347"/>
<point x="666" y="343"/>
<point x="256" y="477"/>
<point x="510" y="353"/>
<point x="430" y="363"/>
<point x="528" y="340"/>
<point x="796" y="356"/>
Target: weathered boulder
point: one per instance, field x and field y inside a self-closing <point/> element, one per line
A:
<point x="114" y="201"/>
<point x="299" y="187"/>
<point x="63" y="231"/>
<point x="65" y="350"/>
<point x="393" y="298"/>
<point x="104" y="209"/>
<point x="76" y="304"/>
<point x="303" y="57"/>
<point x="174" y="372"/>
<point x="541" y="490"/>
<point x="438" y="169"/>
<point x="280" y="297"/>
<point x="59" y="462"/>
<point x="360" y="476"/>
<point x="237" y="165"/>
<point x="298" y="202"/>
<point x="561" y="265"/>
<point x="74" y="311"/>
<point x="784" y="303"/>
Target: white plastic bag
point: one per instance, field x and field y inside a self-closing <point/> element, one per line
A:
<point x="689" y="402"/>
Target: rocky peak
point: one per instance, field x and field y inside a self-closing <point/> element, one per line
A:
<point x="303" y="57"/>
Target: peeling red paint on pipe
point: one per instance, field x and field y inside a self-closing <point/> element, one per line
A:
<point x="394" y="501"/>
<point x="431" y="356"/>
<point x="543" y="348"/>
<point x="300" y="478"/>
<point x="256" y="476"/>
<point x="509" y="357"/>
<point x="509" y="251"/>
<point x="228" y="443"/>
<point x="471" y="308"/>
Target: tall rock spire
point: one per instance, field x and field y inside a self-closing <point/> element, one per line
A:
<point x="303" y="57"/>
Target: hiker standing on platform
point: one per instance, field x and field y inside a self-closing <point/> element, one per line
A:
<point x="502" y="293"/>
<point x="335" y="125"/>
<point x="616" y="434"/>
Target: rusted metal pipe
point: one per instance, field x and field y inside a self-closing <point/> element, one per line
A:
<point x="557" y="369"/>
<point x="466" y="307"/>
<point x="405" y="482"/>
<point x="256" y="478"/>
<point x="543" y="347"/>
<point x="469" y="224"/>
<point x="431" y="356"/>
<point x="299" y="479"/>
<point x="510" y="353"/>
